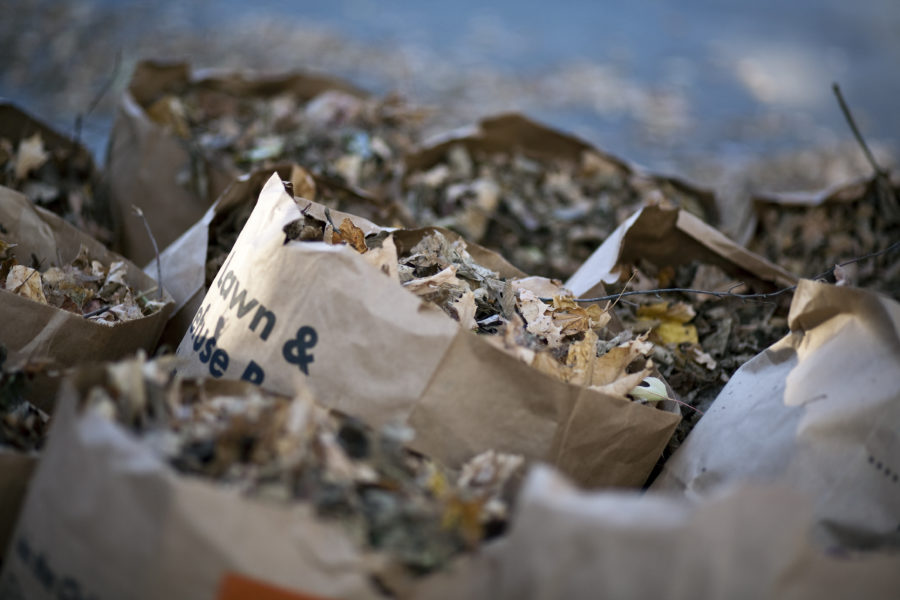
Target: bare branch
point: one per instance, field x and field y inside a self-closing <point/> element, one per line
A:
<point x="98" y="96"/>
<point x="856" y="133"/>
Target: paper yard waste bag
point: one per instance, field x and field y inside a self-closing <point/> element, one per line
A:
<point x="56" y="172"/>
<point x="818" y="411"/>
<point x="204" y="489"/>
<point x="191" y="262"/>
<point x="16" y="469"/>
<point x="181" y="136"/>
<point x="70" y="299"/>
<point x="541" y="198"/>
<point x="808" y="233"/>
<point x="23" y="430"/>
<point x="745" y="543"/>
<point x="666" y="237"/>
<point x="291" y="314"/>
<point x="105" y="517"/>
<point x="701" y="339"/>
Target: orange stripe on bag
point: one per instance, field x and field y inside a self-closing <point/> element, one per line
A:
<point x="238" y="587"/>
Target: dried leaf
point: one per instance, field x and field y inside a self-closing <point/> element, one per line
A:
<point x="442" y="280"/>
<point x="653" y="391"/>
<point x="465" y="309"/>
<point x="614" y="364"/>
<point x="574" y="318"/>
<point x="580" y="359"/>
<point x="623" y="385"/>
<point x="169" y="111"/>
<point x="702" y="358"/>
<point x="26" y="282"/>
<point x="350" y="234"/>
<point x="671" y="322"/>
<point x="384" y="258"/>
<point x="30" y="156"/>
<point x="539" y="318"/>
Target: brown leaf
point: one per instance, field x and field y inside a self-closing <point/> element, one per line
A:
<point x="614" y="364"/>
<point x="350" y="234"/>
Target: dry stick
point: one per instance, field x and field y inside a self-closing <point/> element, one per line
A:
<point x="140" y="213"/>
<point x="859" y="138"/>
<point x="891" y="248"/>
<point x="884" y="192"/>
<point x="99" y="95"/>
<point x="99" y="311"/>
<point x="24" y="281"/>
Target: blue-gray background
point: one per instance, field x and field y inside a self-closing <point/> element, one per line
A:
<point x="703" y="88"/>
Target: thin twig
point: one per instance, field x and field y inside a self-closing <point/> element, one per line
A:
<point x="30" y="275"/>
<point x="685" y="291"/>
<point x="887" y="199"/>
<point x="98" y="96"/>
<point x="693" y="408"/>
<point x="728" y="294"/>
<point x="830" y="271"/>
<point x="140" y="213"/>
<point x="99" y="311"/>
<point x="856" y="133"/>
<point x="328" y="218"/>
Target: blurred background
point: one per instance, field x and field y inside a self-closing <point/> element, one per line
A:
<point x="735" y="95"/>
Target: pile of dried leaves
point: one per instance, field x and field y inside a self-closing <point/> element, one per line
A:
<point x="289" y="450"/>
<point x="59" y="178"/>
<point x="850" y="222"/>
<point x="545" y="215"/>
<point x="341" y="138"/>
<point x="83" y="286"/>
<point x="698" y="340"/>
<point x="532" y="318"/>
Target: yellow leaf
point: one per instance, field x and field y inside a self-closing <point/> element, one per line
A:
<point x="669" y="332"/>
<point x="465" y="517"/>
<point x="679" y="312"/>
<point x="671" y="322"/>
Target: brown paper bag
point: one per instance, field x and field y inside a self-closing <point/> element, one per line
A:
<point x="548" y="230"/>
<point x="165" y="175"/>
<point x="667" y="236"/>
<point x="56" y="173"/>
<point x="15" y="474"/>
<point x="32" y="329"/>
<point x="106" y="518"/>
<point x="808" y="233"/>
<point x="189" y="264"/>
<point x="749" y="542"/>
<point x="294" y="315"/>
<point x="819" y="411"/>
<point x="659" y="242"/>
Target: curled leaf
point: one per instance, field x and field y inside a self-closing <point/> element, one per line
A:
<point x="653" y="391"/>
